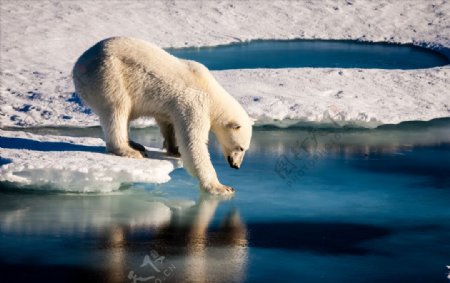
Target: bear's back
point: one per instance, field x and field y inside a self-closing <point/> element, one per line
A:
<point x="133" y="52"/>
<point x="142" y="62"/>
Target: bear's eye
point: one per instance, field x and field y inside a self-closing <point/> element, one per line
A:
<point x="234" y="126"/>
<point x="241" y="149"/>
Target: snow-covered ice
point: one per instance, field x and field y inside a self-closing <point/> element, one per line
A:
<point x="41" y="40"/>
<point x="351" y="97"/>
<point x="75" y="164"/>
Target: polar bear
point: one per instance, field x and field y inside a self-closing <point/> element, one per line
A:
<point x="123" y="79"/>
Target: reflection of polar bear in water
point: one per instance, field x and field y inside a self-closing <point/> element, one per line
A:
<point x="122" y="79"/>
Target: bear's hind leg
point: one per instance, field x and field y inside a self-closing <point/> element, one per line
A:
<point x="115" y="129"/>
<point x="170" y="142"/>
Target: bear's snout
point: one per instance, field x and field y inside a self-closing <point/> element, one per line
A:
<point x="231" y="162"/>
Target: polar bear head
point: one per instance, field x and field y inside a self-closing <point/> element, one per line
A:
<point x="234" y="137"/>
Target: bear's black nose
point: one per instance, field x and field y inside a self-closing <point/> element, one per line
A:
<point x="232" y="165"/>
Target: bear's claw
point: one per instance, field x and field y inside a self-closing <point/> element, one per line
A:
<point x="219" y="190"/>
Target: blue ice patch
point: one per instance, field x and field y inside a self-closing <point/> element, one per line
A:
<point x="24" y="108"/>
<point x="4" y="161"/>
<point x="74" y="98"/>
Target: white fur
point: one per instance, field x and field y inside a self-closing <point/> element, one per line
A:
<point x="122" y="79"/>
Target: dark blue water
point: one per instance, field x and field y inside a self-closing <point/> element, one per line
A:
<point x="311" y="206"/>
<point x="313" y="53"/>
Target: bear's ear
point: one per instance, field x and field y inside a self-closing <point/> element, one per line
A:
<point x="233" y="125"/>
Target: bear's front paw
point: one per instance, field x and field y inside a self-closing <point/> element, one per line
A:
<point x="218" y="189"/>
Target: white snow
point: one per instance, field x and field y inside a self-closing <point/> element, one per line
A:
<point x="75" y="164"/>
<point x="351" y="97"/>
<point x="40" y="41"/>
